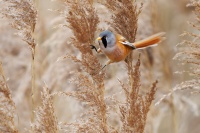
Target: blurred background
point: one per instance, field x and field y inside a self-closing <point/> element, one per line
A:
<point x="178" y="113"/>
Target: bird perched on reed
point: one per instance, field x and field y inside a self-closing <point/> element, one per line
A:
<point x="117" y="48"/>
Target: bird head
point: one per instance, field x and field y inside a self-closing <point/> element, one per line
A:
<point x="108" y="38"/>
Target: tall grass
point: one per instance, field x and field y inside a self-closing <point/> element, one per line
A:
<point x="7" y="106"/>
<point x="23" y="16"/>
<point x="189" y="54"/>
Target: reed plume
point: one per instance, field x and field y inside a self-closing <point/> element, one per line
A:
<point x="135" y="109"/>
<point x="125" y="17"/>
<point x="7" y="106"/>
<point x="190" y="52"/>
<point x="137" y="105"/>
<point x="46" y="120"/>
<point x="22" y="15"/>
<point x="189" y="55"/>
<point x="83" y="20"/>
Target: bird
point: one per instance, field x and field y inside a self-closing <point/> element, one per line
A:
<point x="117" y="48"/>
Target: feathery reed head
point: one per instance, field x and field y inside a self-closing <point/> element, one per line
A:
<point x="189" y="55"/>
<point x="124" y="18"/>
<point x="46" y="120"/>
<point x="191" y="48"/>
<point x="7" y="106"/>
<point x="23" y="17"/>
<point x="134" y="111"/>
<point x="83" y="21"/>
<point x="136" y="107"/>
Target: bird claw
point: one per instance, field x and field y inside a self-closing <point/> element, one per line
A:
<point x="93" y="47"/>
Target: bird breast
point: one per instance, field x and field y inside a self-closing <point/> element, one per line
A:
<point x="115" y="53"/>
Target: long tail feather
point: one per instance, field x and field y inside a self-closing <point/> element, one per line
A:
<point x="150" y="41"/>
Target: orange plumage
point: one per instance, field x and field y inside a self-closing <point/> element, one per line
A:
<point x="154" y="39"/>
<point x="121" y="51"/>
<point x="117" y="48"/>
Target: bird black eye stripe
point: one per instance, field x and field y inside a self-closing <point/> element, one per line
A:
<point x="104" y="41"/>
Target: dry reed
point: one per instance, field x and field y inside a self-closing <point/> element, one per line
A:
<point x="7" y="106"/>
<point x="189" y="55"/>
<point x="83" y="20"/>
<point x="46" y="120"/>
<point x="125" y="17"/>
<point x="23" y="17"/>
<point x="134" y="112"/>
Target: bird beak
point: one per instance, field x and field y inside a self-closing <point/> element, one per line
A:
<point x="99" y="38"/>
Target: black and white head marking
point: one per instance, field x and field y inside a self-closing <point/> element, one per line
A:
<point x="108" y="38"/>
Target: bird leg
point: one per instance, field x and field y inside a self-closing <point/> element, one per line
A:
<point x="107" y="63"/>
<point x="97" y="50"/>
<point x="93" y="47"/>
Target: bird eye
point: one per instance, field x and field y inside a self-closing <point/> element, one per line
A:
<point x="104" y="41"/>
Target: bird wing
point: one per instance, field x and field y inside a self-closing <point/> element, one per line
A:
<point x="123" y="41"/>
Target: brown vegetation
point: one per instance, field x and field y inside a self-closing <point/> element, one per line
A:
<point x="105" y="104"/>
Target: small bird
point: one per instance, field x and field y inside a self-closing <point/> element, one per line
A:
<point x="117" y="48"/>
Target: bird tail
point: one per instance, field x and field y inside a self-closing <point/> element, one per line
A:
<point x="150" y="41"/>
